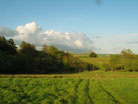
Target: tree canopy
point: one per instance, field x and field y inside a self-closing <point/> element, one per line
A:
<point x="92" y="54"/>
<point x="28" y="60"/>
<point x="7" y="46"/>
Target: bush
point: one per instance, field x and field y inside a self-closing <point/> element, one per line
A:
<point x="125" y="61"/>
<point x="105" y="67"/>
<point x="92" y="54"/>
<point x="131" y="65"/>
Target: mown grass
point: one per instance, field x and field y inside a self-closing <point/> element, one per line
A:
<point x="81" y="88"/>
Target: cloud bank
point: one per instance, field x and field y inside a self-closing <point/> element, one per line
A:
<point x="116" y="43"/>
<point x="71" y="41"/>
<point x="33" y="33"/>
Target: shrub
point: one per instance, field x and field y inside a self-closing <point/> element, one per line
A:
<point x="92" y="54"/>
<point x="131" y="65"/>
<point x="105" y="67"/>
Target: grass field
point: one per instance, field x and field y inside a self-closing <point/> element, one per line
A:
<point x="80" y="88"/>
<point x="98" y="61"/>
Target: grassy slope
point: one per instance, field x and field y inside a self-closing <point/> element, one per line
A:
<point x="98" y="61"/>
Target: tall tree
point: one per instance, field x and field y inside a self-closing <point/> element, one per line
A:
<point x="27" y="48"/>
<point x="7" y="46"/>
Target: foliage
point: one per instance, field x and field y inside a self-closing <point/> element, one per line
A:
<point x="125" y="61"/>
<point x="26" y="48"/>
<point x="131" y="65"/>
<point x="7" y="46"/>
<point x="28" y="60"/>
<point x="92" y="54"/>
<point x="105" y="67"/>
<point x="127" y="53"/>
<point x="115" y="62"/>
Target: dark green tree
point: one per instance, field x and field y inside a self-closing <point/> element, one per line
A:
<point x="7" y="46"/>
<point x="92" y="54"/>
<point x="45" y="48"/>
<point x="52" y="50"/>
<point x="27" y="48"/>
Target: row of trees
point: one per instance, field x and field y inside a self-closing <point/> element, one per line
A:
<point x="125" y="61"/>
<point x="28" y="60"/>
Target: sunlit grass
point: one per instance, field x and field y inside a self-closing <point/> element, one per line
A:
<point x="68" y="90"/>
<point x="98" y="61"/>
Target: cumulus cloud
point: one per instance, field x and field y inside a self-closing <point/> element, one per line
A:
<point x="69" y="41"/>
<point x="29" y="28"/>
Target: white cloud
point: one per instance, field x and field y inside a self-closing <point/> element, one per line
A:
<point x="29" y="28"/>
<point x="69" y="41"/>
<point x="79" y="43"/>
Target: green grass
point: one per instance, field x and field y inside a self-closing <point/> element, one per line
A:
<point x="80" y="88"/>
<point x="98" y="61"/>
<point x="84" y="75"/>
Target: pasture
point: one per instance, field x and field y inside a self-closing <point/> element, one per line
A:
<point x="80" y="88"/>
<point x="97" y="61"/>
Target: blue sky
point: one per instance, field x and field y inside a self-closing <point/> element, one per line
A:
<point x="108" y="18"/>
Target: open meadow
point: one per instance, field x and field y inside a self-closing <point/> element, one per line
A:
<point x="97" y="61"/>
<point x="95" y="87"/>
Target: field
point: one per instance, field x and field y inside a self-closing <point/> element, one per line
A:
<point x="98" y="61"/>
<point x="80" y="88"/>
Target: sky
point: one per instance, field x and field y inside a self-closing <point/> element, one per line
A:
<point x="104" y="26"/>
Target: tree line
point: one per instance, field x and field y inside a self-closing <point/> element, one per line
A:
<point x="125" y="61"/>
<point x="28" y="60"/>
